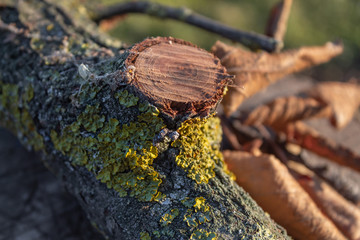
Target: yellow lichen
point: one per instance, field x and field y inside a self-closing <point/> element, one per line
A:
<point x="202" y="234"/>
<point x="50" y="27"/>
<point x="200" y="205"/>
<point x="199" y="145"/>
<point x="198" y="212"/>
<point x="120" y="156"/>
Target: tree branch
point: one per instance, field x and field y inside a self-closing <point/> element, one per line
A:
<point x="142" y="160"/>
<point x="249" y="39"/>
<point x="308" y="138"/>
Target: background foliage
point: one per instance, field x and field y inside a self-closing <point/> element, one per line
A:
<point x="310" y="23"/>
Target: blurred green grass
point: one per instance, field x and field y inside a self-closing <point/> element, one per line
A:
<point x="310" y="23"/>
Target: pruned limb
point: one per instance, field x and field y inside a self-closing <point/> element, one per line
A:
<point x="255" y="71"/>
<point x="142" y="160"/>
<point x="278" y="19"/>
<point x="249" y="39"/>
<point x="162" y="69"/>
<point x="269" y="182"/>
<point x="310" y="139"/>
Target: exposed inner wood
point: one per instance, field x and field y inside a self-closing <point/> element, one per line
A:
<point x="176" y="76"/>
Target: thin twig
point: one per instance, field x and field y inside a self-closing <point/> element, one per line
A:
<point x="278" y="19"/>
<point x="310" y="139"/>
<point x="269" y="137"/>
<point x="249" y="39"/>
<point x="229" y="134"/>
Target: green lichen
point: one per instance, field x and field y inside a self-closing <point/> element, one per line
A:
<point x="156" y="234"/>
<point x="31" y="136"/>
<point x="90" y="119"/>
<point x="168" y="217"/>
<point x="86" y="93"/>
<point x="9" y="105"/>
<point x="14" y="114"/>
<point x="167" y="231"/>
<point x="145" y="236"/>
<point x="190" y="219"/>
<point x="119" y="155"/>
<point x="126" y="99"/>
<point x="28" y="95"/>
<point x="199" y="145"/>
<point x="37" y="44"/>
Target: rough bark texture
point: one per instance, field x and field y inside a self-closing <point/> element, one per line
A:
<point x="135" y="174"/>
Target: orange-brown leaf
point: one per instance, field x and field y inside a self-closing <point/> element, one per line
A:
<point x="344" y="98"/>
<point x="282" y="111"/>
<point x="255" y="71"/>
<point x="271" y="185"/>
<point x="343" y="213"/>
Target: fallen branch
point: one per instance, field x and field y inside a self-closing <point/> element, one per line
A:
<point x="142" y="160"/>
<point x="249" y="39"/>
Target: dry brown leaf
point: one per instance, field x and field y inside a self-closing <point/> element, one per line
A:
<point x="282" y="111"/>
<point x="310" y="139"/>
<point x="271" y="185"/>
<point x="344" y="98"/>
<point x="255" y="71"/>
<point x="344" y="214"/>
<point x="277" y="23"/>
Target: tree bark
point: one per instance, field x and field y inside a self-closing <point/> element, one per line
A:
<point x="142" y="162"/>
